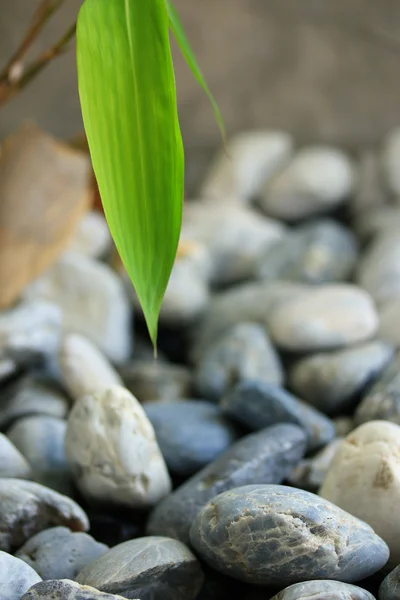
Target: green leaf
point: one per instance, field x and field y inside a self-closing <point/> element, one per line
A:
<point x="180" y="36"/>
<point x="128" y="99"/>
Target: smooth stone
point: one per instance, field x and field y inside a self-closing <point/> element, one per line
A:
<point x="326" y="317"/>
<point x="28" y="507"/>
<point x="389" y="325"/>
<point x="157" y="381"/>
<point x="277" y="535"/>
<point x="332" y="382"/>
<point x="383" y="220"/>
<point x="190" y="433"/>
<point x="318" y="252"/>
<point x="343" y="425"/>
<point x="323" y="590"/>
<point x="91" y="237"/>
<point x="150" y="568"/>
<point x="63" y="589"/>
<point x="267" y="456"/>
<point x="241" y="353"/>
<point x="41" y="440"/>
<point x="258" y="404"/>
<point x="390" y="158"/>
<point x="112" y="451"/>
<point x="364" y="479"/>
<point x="12" y="462"/>
<point x="382" y="400"/>
<point x="16" y="577"/>
<point x="58" y="553"/>
<point x="370" y="193"/>
<point x="390" y="586"/>
<point x="84" y="369"/>
<point x="251" y="159"/>
<point x="379" y="269"/>
<point x="93" y="302"/>
<point x="318" y="179"/>
<point x="32" y="396"/>
<point x="310" y="473"/>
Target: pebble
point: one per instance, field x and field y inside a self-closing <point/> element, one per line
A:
<point x="390" y="586"/>
<point x="323" y="590"/>
<point x="267" y="456"/>
<point x="258" y="404"/>
<point x="84" y="369"/>
<point x="389" y="326"/>
<point x="319" y="252"/>
<point x="318" y="179"/>
<point x="63" y="589"/>
<point x="241" y="353"/>
<point x="277" y="535"/>
<point x="59" y="553"/>
<point x="91" y="237"/>
<point x="12" y="462"/>
<point x="369" y="194"/>
<point x="112" y="451"/>
<point x="390" y="161"/>
<point x="343" y="425"/>
<point x="150" y="568"/>
<point x="364" y="479"/>
<point x="251" y="158"/>
<point x="332" y="382"/>
<point x="325" y="317"/>
<point x="383" y="220"/>
<point x="379" y="268"/>
<point x="190" y="433"/>
<point x="16" y="577"/>
<point x="382" y="400"/>
<point x="28" y="507"/>
<point x="157" y="381"/>
<point x="310" y="473"/>
<point x="93" y="302"/>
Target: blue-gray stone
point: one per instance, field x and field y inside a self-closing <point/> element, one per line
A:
<point x="390" y="586"/>
<point x="277" y="535"/>
<point x="64" y="589"/>
<point x="190" y="433"/>
<point x="258" y="404"/>
<point x="16" y="577"/>
<point x="267" y="456"/>
<point x="323" y="590"/>
<point x="59" y="553"/>
<point x="382" y="400"/>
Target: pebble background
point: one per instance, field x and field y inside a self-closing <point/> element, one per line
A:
<point x="259" y="456"/>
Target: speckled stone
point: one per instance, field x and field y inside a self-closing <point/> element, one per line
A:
<point x="276" y="535"/>
<point x="333" y="381"/>
<point x="379" y="269"/>
<point x="12" y="462"/>
<point x="16" y="577"/>
<point x="390" y="587"/>
<point x="154" y="381"/>
<point x="63" y="589"/>
<point x="310" y="473"/>
<point x="59" y="553"/>
<point x="323" y="590"/>
<point x="190" y="433"/>
<point x="244" y="352"/>
<point x="382" y="400"/>
<point x="258" y="404"/>
<point x="267" y="457"/>
<point x="27" y="508"/>
<point x="150" y="568"/>
<point x="319" y="252"/>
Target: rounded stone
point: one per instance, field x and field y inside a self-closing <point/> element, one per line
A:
<point x="267" y="456"/>
<point x="91" y="237"/>
<point x="12" y="462"/>
<point x="112" y="451"/>
<point x="16" y="577"/>
<point x="319" y="252"/>
<point x="323" y="590"/>
<point x="390" y="161"/>
<point x="276" y="535"/>
<point x="190" y="433"/>
<point x="390" y="586"/>
<point x="382" y="400"/>
<point x="325" y="317"/>
<point x="332" y="382"/>
<point x="64" y="589"/>
<point x="150" y="568"/>
<point x="59" y="553"/>
<point x="379" y="269"/>
<point x="28" y="507"/>
<point x="258" y="404"/>
<point x="389" y="326"/>
<point x="364" y="479"/>
<point x="244" y="352"/>
<point x="157" y="381"/>
<point x="310" y="473"/>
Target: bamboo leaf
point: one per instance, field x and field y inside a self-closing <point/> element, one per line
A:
<point x="128" y="99"/>
<point x="180" y="36"/>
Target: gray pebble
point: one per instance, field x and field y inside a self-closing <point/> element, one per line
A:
<point x="12" y="463"/>
<point x="310" y="473"/>
<point x="381" y="220"/>
<point x="27" y="508"/>
<point x="63" y="589"/>
<point x="150" y="568"/>
<point x="243" y="352"/>
<point x="379" y="268"/>
<point x="390" y="586"/>
<point x="389" y="326"/>
<point x="16" y="577"/>
<point x="319" y="252"/>
<point x="277" y="535"/>
<point x="190" y="433"/>
<point x="267" y="457"/>
<point x="323" y="590"/>
<point x="258" y="404"/>
<point x="382" y="401"/>
<point x="59" y="553"/>
<point x="332" y="381"/>
<point x="153" y="381"/>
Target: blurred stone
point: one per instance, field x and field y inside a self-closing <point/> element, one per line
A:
<point x="91" y="237"/>
<point x="369" y="194"/>
<point x="378" y="221"/>
<point x="157" y="381"/>
<point x="12" y="462"/>
<point x="390" y="161"/>
<point x="379" y="268"/>
<point x="310" y="473"/>
<point x="389" y="322"/>
<point x="382" y="400"/>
